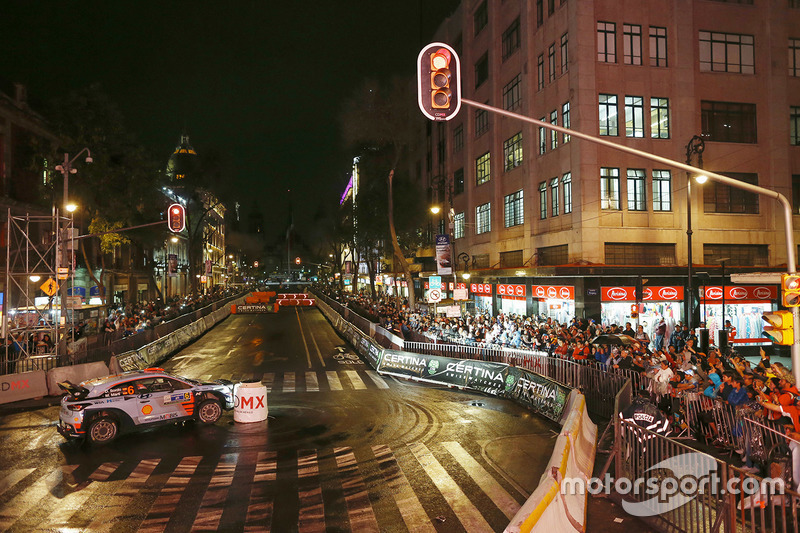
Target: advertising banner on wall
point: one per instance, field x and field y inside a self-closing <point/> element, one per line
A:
<point x="536" y="392"/>
<point x="444" y="263"/>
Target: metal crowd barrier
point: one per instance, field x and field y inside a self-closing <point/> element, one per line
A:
<point x="727" y="498"/>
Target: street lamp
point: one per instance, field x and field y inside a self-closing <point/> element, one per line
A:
<point x="464" y="256"/>
<point x="696" y="146"/>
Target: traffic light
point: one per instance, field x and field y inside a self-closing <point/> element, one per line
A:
<point x="176" y="218"/>
<point x="634" y="310"/>
<point x="790" y="285"/>
<point x="439" y="82"/>
<point x="781" y="327"/>
<point x="296" y="260"/>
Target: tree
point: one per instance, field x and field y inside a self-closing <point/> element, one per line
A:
<point x="383" y="118"/>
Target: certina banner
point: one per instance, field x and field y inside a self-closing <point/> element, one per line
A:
<point x="255" y="308"/>
<point x="499" y="379"/>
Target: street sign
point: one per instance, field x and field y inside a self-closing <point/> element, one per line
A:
<point x="435" y="282"/>
<point x="63" y="273"/>
<point x="460" y="294"/>
<point x="49" y="287"/>
<point x="434" y="296"/>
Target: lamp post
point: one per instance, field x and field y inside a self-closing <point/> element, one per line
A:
<point x="66" y="169"/>
<point x="696" y="146"/>
<point x="439" y="183"/>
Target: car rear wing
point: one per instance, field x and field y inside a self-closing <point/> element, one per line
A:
<point x="75" y="391"/>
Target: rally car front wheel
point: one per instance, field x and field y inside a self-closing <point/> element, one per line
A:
<point x="102" y="430"/>
<point x="209" y="411"/>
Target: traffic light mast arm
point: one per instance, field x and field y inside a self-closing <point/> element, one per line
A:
<point x="120" y="230"/>
<point x="791" y="264"/>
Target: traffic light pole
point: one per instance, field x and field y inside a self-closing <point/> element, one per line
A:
<point x="791" y="265"/>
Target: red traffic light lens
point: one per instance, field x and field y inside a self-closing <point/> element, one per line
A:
<point x="440" y="59"/>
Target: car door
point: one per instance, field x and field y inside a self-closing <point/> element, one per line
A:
<point x="154" y="401"/>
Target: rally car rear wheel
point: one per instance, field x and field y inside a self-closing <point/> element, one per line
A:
<point x="209" y="411"/>
<point x="102" y="430"/>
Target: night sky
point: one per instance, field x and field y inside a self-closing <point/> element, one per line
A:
<point x="259" y="81"/>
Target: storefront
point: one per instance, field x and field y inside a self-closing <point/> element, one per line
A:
<point x="512" y="299"/>
<point x="619" y="303"/>
<point x="555" y="301"/>
<point x="744" y="306"/>
<point x="482" y="294"/>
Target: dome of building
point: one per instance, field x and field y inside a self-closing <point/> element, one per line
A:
<point x="183" y="161"/>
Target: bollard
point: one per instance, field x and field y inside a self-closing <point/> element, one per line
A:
<point x="250" y="402"/>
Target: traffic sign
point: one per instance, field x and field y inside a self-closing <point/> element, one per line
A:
<point x="63" y="273"/>
<point x="435" y="282"/>
<point x="49" y="287"/>
<point x="434" y="296"/>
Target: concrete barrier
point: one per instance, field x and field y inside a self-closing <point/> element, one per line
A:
<point x="75" y="374"/>
<point x="23" y="386"/>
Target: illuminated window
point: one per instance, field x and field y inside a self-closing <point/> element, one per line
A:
<point x="483" y="169"/>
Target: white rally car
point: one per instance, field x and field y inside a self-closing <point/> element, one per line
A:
<point x="102" y="408"/>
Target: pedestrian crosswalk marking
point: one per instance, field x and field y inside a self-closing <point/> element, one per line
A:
<point x="288" y="382"/>
<point x="356" y="381"/>
<point x="259" y="511"/>
<point x="333" y="380"/>
<point x="312" y="511"/>
<point x="369" y="489"/>
<point x="488" y="484"/>
<point x="359" y="508"/>
<point x="377" y="379"/>
<point x="11" y="479"/>
<point x="312" y="384"/>
<point x="170" y="495"/>
<point x="469" y="516"/>
<point x="414" y="515"/>
<point x="213" y="502"/>
<point x="267" y="380"/>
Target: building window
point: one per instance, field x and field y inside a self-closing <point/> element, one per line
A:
<point x="609" y="188"/>
<point x="736" y="254"/>
<point x="794" y="57"/>
<point x="607" y="42"/>
<point x="728" y="122"/>
<point x="632" y="44"/>
<point x="482" y="70"/>
<point x="514" y="213"/>
<point x="458" y="138"/>
<point x="551" y="61"/>
<point x="540" y="71"/>
<point x="794" y="126"/>
<point x="796" y="194"/>
<point x="483" y="218"/>
<point x="564" y="53"/>
<point x="512" y="152"/>
<point x="658" y="46"/>
<point x="726" y="52"/>
<point x="483" y="169"/>
<point x="481" y="122"/>
<point x="543" y="200"/>
<point x="458" y="181"/>
<point x="639" y="253"/>
<point x="553" y="133"/>
<point x="511" y="259"/>
<point x="636" y="190"/>
<point x="721" y="198"/>
<point x="552" y="255"/>
<point x="458" y="225"/>
<point x="659" y="118"/>
<point x="565" y="120"/>
<point x="566" y="182"/>
<point x="539" y="12"/>
<point x="542" y="138"/>
<point x="634" y="116"/>
<point x="511" y="39"/>
<point x="608" y="115"/>
<point x="662" y="190"/>
<point x="554" y="197"/>
<point x="481" y="17"/>
<point x="512" y="93"/>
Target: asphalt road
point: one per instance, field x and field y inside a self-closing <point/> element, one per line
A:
<point x="343" y="449"/>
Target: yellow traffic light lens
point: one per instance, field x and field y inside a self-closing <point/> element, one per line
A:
<point x="440" y="78"/>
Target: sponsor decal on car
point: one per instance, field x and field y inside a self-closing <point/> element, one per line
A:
<point x="178" y="398"/>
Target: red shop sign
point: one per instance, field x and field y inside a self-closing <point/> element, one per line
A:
<point x="510" y="290"/>
<point x="553" y="292"/>
<point x="480" y="288"/>
<point x="458" y="286"/>
<point x="628" y="294"/>
<point x="738" y="292"/>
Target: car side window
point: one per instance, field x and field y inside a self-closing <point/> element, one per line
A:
<point x="161" y="385"/>
<point x="179" y="385"/>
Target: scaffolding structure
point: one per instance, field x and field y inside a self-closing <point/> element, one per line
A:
<point x="39" y="251"/>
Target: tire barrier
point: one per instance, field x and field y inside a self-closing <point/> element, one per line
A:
<point x="250" y="402"/>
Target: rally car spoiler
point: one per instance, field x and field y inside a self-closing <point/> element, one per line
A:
<point x="76" y="391"/>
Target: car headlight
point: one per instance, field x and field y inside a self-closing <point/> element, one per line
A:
<point x="76" y="406"/>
